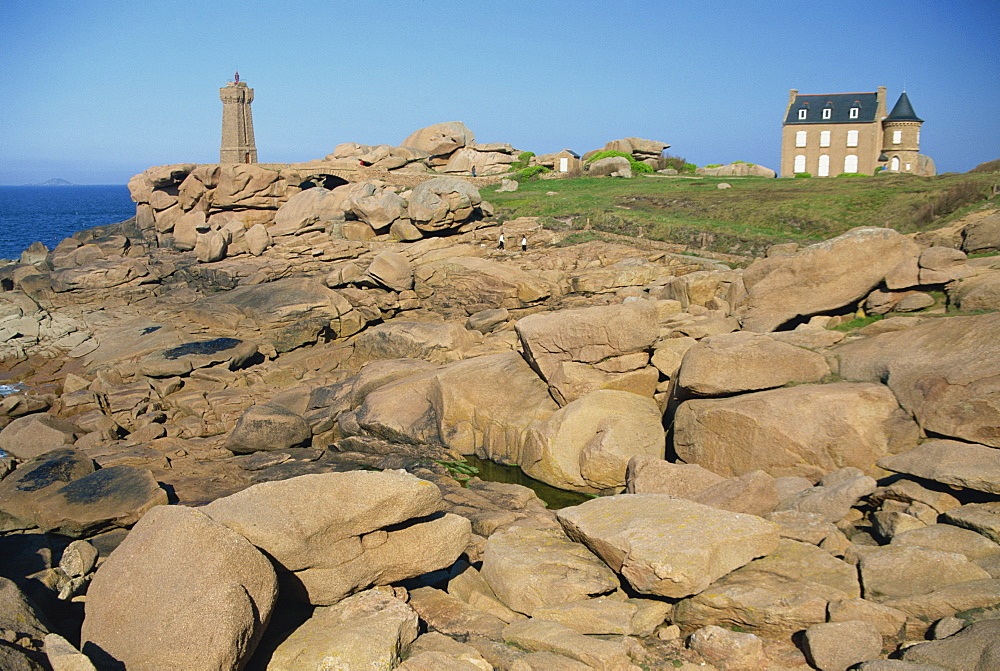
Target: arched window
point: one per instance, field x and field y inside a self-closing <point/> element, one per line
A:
<point x="894" y="164"/>
<point x="800" y="163"/>
<point x="800" y="138"/>
<point x="824" y="166"/>
<point x="851" y="163"/>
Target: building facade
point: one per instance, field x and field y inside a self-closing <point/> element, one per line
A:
<point x="238" y="144"/>
<point x="830" y="134"/>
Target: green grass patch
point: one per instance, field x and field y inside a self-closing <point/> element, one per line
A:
<point x="983" y="255"/>
<point x="858" y="322"/>
<point x="748" y="219"/>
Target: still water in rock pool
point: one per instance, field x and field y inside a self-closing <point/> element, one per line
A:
<point x="555" y="498"/>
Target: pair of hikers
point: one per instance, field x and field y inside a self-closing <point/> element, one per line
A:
<point x="502" y="243"/>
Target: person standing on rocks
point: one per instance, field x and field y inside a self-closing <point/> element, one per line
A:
<point x="500" y="243"/>
<point x="524" y="243"/>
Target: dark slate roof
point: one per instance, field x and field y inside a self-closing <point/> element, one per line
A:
<point x="840" y="105"/>
<point x="903" y="110"/>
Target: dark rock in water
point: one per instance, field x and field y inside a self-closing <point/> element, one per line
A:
<point x="22" y="492"/>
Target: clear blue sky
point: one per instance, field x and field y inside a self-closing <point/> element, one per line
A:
<point x="96" y="91"/>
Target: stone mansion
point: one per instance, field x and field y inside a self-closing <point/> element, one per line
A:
<point x="829" y="134"/>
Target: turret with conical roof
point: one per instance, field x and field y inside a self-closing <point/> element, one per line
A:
<point x="901" y="138"/>
<point x="903" y="110"/>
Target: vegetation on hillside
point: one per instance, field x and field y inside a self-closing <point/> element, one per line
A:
<point x="752" y="215"/>
<point x="637" y="166"/>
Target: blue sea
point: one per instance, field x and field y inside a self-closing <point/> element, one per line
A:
<point x="51" y="213"/>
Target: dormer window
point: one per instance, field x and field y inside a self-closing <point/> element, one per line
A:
<point x="827" y="112"/>
<point x="802" y="113"/>
<point x="854" y="112"/>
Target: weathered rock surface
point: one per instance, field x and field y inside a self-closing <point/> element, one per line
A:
<point x="266" y="428"/>
<point x="667" y="546"/>
<point x="762" y="603"/>
<point x="944" y="371"/>
<point x="565" y="347"/>
<point x="835" y="646"/>
<point x="333" y="534"/>
<point x="729" y="650"/>
<point x="586" y="445"/>
<point x="977" y="646"/>
<point x="806" y="430"/>
<point x="950" y="462"/>
<point x="605" y="615"/>
<point x="743" y="361"/>
<point x="180" y="591"/>
<point x="894" y="571"/>
<point x="536" y="635"/>
<point x="369" y="630"/>
<point x="530" y="568"/>
<point x="33" y="435"/>
<point x="821" y="277"/>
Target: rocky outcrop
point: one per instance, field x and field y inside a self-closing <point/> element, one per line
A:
<point x="342" y="547"/>
<point x="945" y="372"/>
<point x="308" y="403"/>
<point x="146" y="609"/>
<point x="738" y="169"/>
<point x="578" y="351"/>
<point x="821" y="277"/>
<point x="692" y="544"/>
<point x="852" y="424"/>
<point x="586" y="445"/>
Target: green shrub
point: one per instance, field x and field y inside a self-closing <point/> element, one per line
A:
<point x="679" y="164"/>
<point x="524" y="174"/>
<point x="714" y="165"/>
<point x="852" y="174"/>
<point x="802" y="175"/>
<point x="636" y="166"/>
<point x="522" y="161"/>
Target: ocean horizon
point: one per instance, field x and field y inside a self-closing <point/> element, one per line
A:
<point x="48" y="214"/>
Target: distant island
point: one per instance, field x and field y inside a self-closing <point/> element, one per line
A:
<point x="57" y="181"/>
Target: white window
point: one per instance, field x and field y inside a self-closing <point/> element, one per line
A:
<point x="907" y="167"/>
<point x="800" y="138"/>
<point x="894" y="164"/>
<point x="918" y="137"/>
<point x="851" y="163"/>
<point x="802" y="113"/>
<point x="824" y="166"/>
<point x="563" y="164"/>
<point x="824" y="138"/>
<point x="897" y="137"/>
<point x="800" y="163"/>
<point x="852" y="138"/>
<point x="854" y="112"/>
<point x="826" y="113"/>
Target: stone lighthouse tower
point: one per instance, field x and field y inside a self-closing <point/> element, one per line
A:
<point x="901" y="140"/>
<point x="237" y="123"/>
